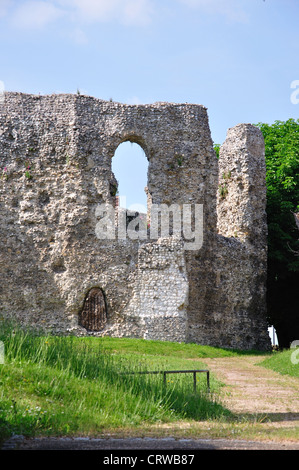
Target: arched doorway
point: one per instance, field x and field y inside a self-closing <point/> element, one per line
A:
<point x="93" y="315"/>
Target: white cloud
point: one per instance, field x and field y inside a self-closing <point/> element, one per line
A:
<point x="4" y="6"/>
<point x="78" y="36"/>
<point x="125" y="11"/>
<point x="137" y="12"/>
<point x="230" y="9"/>
<point x="35" y="14"/>
<point x="134" y="100"/>
<point x="90" y="10"/>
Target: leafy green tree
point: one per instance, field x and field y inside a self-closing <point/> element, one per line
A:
<point x="217" y="149"/>
<point x="282" y="178"/>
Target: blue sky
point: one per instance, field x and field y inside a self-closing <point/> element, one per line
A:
<point x="238" y="58"/>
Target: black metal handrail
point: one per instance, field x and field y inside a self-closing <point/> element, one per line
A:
<point x="165" y="372"/>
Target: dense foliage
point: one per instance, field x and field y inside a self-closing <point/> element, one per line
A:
<point x="282" y="178"/>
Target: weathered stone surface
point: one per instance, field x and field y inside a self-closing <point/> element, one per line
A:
<point x="55" y="159"/>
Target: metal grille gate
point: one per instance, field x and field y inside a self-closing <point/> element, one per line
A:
<point x="93" y="315"/>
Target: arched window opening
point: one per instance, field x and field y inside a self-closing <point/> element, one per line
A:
<point x="130" y="167"/>
<point x="93" y="315"/>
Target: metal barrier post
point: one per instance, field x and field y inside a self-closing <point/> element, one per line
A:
<point x="164" y="372"/>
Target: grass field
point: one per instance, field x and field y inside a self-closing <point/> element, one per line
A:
<point x="284" y="362"/>
<point x="53" y="385"/>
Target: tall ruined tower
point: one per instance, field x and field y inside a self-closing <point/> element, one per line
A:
<point x="56" y="154"/>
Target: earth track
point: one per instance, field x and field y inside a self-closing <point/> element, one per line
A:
<point x="253" y="389"/>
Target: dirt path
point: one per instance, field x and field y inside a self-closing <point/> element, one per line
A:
<point x="253" y="389"/>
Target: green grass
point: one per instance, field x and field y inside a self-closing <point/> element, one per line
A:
<point x="53" y="386"/>
<point x="164" y="348"/>
<point x="285" y="362"/>
<point x="84" y="386"/>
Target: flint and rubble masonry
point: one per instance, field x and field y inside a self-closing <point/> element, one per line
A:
<point x="55" y="160"/>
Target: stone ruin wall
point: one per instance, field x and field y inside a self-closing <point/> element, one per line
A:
<point x="50" y="257"/>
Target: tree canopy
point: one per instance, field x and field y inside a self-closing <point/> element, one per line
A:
<point x="282" y="179"/>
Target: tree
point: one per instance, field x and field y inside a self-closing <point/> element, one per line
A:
<point x="282" y="179"/>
